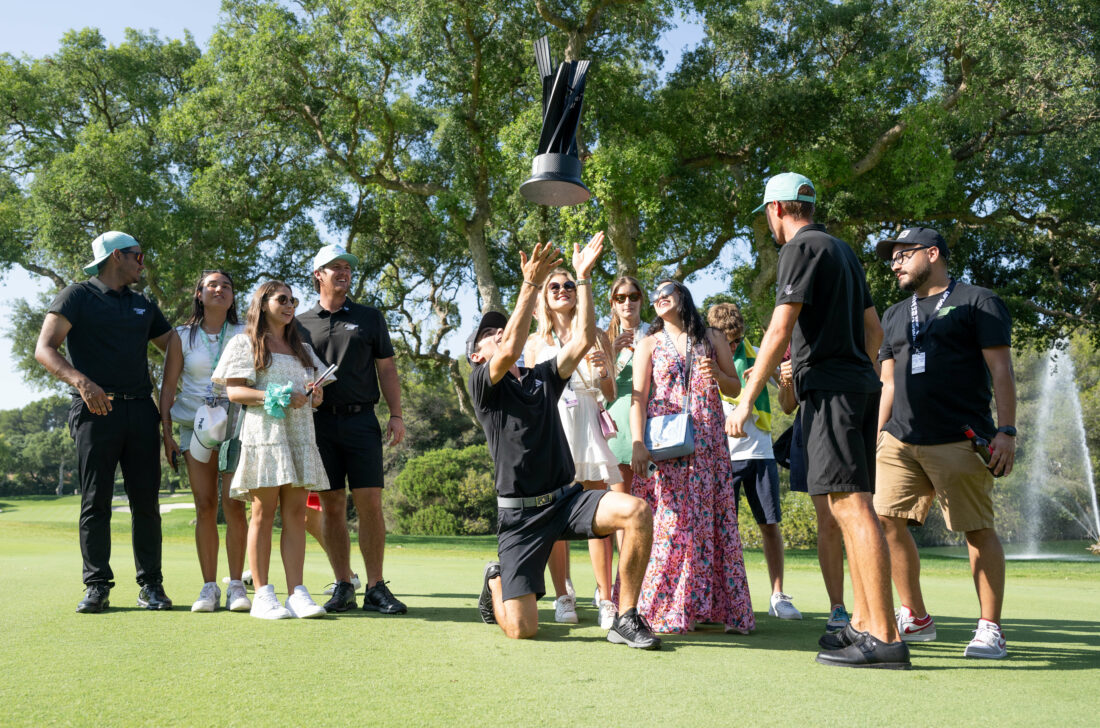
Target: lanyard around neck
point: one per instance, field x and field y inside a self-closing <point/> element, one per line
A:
<point x="915" y="328"/>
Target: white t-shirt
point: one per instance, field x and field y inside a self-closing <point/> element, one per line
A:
<point x="198" y="365"/>
<point x="756" y="445"/>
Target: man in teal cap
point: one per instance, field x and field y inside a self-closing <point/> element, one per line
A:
<point x="823" y="308"/>
<point x="106" y="328"/>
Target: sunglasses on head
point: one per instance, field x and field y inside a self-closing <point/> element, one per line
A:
<point x="282" y="299"/>
<point x="624" y="297"/>
<point x="664" y="291"/>
<point x="555" y="286"/>
<point x="138" y="255"/>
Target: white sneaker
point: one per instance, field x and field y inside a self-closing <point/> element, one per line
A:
<point x="607" y="614"/>
<point x="781" y="607"/>
<point x="301" y="605"/>
<point x="236" y="597"/>
<point x="354" y="582"/>
<point x="912" y="629"/>
<point x="569" y="588"/>
<point x="988" y="642"/>
<point x="266" y="605"/>
<point x="208" y="598"/>
<point x="565" y="609"/>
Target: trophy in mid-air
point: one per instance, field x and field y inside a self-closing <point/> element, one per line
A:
<point x="556" y="171"/>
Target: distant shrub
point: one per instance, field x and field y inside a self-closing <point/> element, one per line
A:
<point x="446" y="492"/>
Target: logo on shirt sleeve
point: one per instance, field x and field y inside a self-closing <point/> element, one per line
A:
<point x="351" y="327"/>
<point x="788" y="290"/>
<point x="139" y="311"/>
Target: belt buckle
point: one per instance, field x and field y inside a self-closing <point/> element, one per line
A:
<point x="544" y="499"/>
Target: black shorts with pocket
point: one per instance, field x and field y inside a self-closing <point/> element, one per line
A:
<point x="838" y="431"/>
<point x="526" y="535"/>
<point x="350" y="447"/>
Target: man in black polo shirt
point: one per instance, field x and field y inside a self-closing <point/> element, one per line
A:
<point x="824" y="309"/>
<point x="538" y="501"/>
<point x="354" y="337"/>
<point x="943" y="347"/>
<point x="106" y="328"/>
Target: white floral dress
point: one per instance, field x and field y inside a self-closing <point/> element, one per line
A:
<point x="274" y="451"/>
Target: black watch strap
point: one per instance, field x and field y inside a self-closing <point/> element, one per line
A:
<point x="1008" y="430"/>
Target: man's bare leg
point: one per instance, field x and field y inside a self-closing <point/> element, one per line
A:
<point x="869" y="562"/>
<point x="372" y="531"/>
<point x="519" y="617"/>
<point x="987" y="563"/>
<point x="618" y="511"/>
<point x="334" y="519"/>
<point x="830" y="550"/>
<point x="904" y="563"/>
<point x="772" y="539"/>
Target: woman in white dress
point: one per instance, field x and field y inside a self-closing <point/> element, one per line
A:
<point x="270" y="370"/>
<point x="579" y="409"/>
<point x="193" y="352"/>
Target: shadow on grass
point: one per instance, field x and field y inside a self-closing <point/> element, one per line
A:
<point x="1033" y="644"/>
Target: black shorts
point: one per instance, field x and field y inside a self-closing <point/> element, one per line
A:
<point x="761" y="479"/>
<point x="838" y="429"/>
<point x="351" y="448"/>
<point x="798" y="457"/>
<point x="526" y="535"/>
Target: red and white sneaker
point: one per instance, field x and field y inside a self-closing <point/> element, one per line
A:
<point x="912" y="629"/>
<point x="988" y="641"/>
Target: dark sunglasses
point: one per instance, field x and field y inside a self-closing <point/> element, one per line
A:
<point x="664" y="292"/>
<point x="555" y="286"/>
<point x="282" y="299"/>
<point x="624" y="297"/>
<point x="139" y="256"/>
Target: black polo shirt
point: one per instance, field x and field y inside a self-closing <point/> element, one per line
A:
<point x="827" y="347"/>
<point x="110" y="335"/>
<point x="521" y="423"/>
<point x="352" y="338"/>
<point x="930" y="408"/>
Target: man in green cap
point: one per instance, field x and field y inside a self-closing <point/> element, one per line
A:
<point x="106" y="328"/>
<point x="823" y="308"/>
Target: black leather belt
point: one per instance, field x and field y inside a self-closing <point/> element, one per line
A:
<point x="345" y="409"/>
<point x="535" y="501"/>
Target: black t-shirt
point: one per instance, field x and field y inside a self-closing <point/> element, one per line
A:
<point x="521" y="423"/>
<point x="110" y="335"/>
<point x="954" y="390"/>
<point x="352" y="338"/>
<point x="827" y="346"/>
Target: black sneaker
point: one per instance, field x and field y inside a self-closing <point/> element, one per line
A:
<point x="839" y="640"/>
<point x="868" y="652"/>
<point x="152" y="596"/>
<point x="95" y="599"/>
<point x="343" y="598"/>
<point x="485" y="602"/>
<point x="632" y="629"/>
<point x="380" y="599"/>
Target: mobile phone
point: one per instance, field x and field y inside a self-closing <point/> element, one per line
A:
<point x="175" y="461"/>
<point x="652" y="467"/>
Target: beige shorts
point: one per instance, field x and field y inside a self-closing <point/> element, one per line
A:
<point x="908" y="477"/>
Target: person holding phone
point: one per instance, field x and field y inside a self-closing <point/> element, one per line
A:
<point x="272" y="371"/>
<point x="193" y="351"/>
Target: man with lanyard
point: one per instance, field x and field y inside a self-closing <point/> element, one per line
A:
<point x="942" y="347"/>
<point x="537" y="498"/>
<point x="823" y="307"/>
<point x="355" y="338"/>
<point x="106" y="328"/>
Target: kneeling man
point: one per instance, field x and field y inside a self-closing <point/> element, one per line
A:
<point x="538" y="500"/>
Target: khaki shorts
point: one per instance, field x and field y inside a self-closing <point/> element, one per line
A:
<point x="907" y="477"/>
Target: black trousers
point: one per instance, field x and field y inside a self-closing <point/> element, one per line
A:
<point x="127" y="437"/>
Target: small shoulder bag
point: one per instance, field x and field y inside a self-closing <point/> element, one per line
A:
<point x="673" y="436"/>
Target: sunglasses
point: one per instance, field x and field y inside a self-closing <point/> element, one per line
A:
<point x="138" y="255"/>
<point x="664" y="291"/>
<point x="282" y="299"/>
<point x="567" y="286"/>
<point x="624" y="297"/>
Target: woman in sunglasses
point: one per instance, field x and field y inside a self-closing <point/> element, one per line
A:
<point x="194" y="349"/>
<point x="270" y="370"/>
<point x="696" y="571"/>
<point x="579" y="410"/>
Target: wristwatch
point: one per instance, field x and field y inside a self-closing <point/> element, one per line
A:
<point x="1008" y="430"/>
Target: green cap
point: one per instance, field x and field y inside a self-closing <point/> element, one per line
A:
<point x="104" y="245"/>
<point x="784" y="187"/>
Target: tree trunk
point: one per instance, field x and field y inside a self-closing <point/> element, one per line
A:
<point x="622" y="230"/>
<point x="61" y="477"/>
<point x="487" y="288"/>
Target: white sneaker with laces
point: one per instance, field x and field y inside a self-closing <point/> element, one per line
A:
<point x="354" y="582"/>
<point x="236" y="597"/>
<point x="607" y="614"/>
<point x="208" y="599"/>
<point x="266" y="605"/>
<point x="782" y="607"/>
<point x="301" y="605"/>
<point x="988" y="642"/>
<point x="838" y="619"/>
<point x="565" y="609"/>
<point x="912" y="629"/>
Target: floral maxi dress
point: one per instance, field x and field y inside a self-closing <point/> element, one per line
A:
<point x="696" y="572"/>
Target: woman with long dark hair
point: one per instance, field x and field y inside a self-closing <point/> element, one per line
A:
<point x="696" y="572"/>
<point x="270" y="369"/>
<point x="193" y="351"/>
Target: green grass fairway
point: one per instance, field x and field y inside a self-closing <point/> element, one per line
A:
<point x="439" y="665"/>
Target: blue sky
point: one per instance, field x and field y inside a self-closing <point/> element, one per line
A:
<point x="35" y="28"/>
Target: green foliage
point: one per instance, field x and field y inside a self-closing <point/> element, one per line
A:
<point x="447" y="492"/>
<point x="36" y="450"/>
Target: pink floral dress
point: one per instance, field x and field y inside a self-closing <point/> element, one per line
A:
<point x="696" y="572"/>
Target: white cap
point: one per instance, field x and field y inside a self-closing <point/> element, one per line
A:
<point x="330" y="253"/>
<point x="209" y="431"/>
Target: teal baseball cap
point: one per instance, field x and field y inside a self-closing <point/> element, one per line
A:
<point x="330" y="253"/>
<point x="784" y="187"/>
<point x="104" y="245"/>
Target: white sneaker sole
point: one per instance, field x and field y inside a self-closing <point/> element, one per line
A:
<point x="273" y="614"/>
<point x="773" y="612"/>
<point x="202" y="606"/>
<point x="918" y="636"/>
<point x="983" y="653"/>
<point x="308" y="613"/>
<point x="568" y="618"/>
<point x="241" y="605"/>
